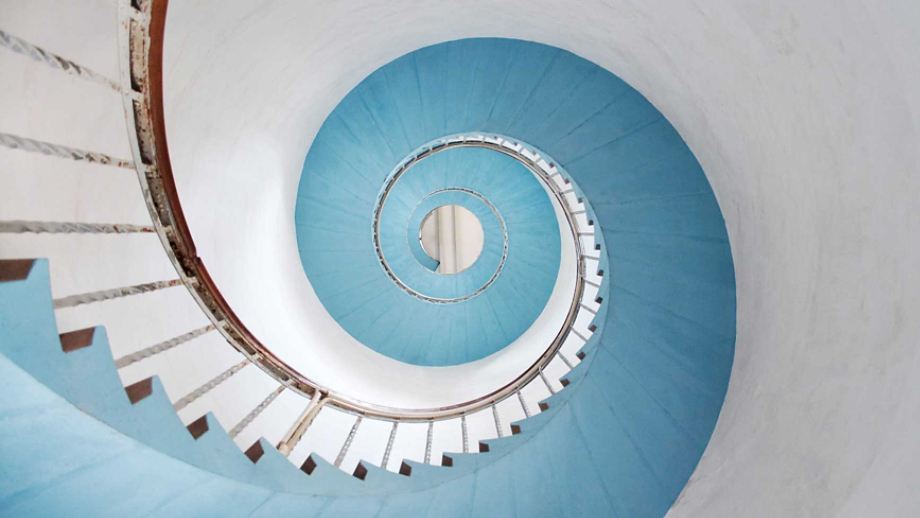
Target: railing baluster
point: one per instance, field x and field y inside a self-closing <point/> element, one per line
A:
<point x="591" y="283"/>
<point x="351" y="437"/>
<point x="66" y="227"/>
<point x="204" y="389"/>
<point x="54" y="61"/>
<point x="386" y="453"/>
<point x="586" y="308"/>
<point x="428" y="442"/>
<point x="255" y="412"/>
<point x="466" y="436"/>
<point x="546" y="382"/>
<point x="129" y="359"/>
<point x="579" y="335"/>
<point x="62" y="151"/>
<point x="523" y="404"/>
<point x="127" y="291"/>
<point x="565" y="360"/>
<point x="300" y="426"/>
<point x="498" y="422"/>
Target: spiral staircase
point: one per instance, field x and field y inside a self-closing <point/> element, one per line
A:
<point x="183" y="333"/>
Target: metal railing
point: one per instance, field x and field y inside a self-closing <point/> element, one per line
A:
<point x="141" y="36"/>
<point x="386" y="266"/>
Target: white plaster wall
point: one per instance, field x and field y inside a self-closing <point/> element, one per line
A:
<point x="803" y="115"/>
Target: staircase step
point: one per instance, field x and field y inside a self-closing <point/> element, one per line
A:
<point x="153" y="421"/>
<point x="218" y="452"/>
<point x="327" y="479"/>
<point x="28" y="330"/>
<point x="383" y="481"/>
<point x="427" y="475"/>
<point x="58" y="461"/>
<point x="274" y="470"/>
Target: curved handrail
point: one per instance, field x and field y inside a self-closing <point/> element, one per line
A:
<point x="378" y="209"/>
<point x="141" y="56"/>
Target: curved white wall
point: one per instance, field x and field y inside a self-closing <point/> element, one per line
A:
<point x="803" y="115"/>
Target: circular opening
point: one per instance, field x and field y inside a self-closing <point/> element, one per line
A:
<point x="452" y="237"/>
